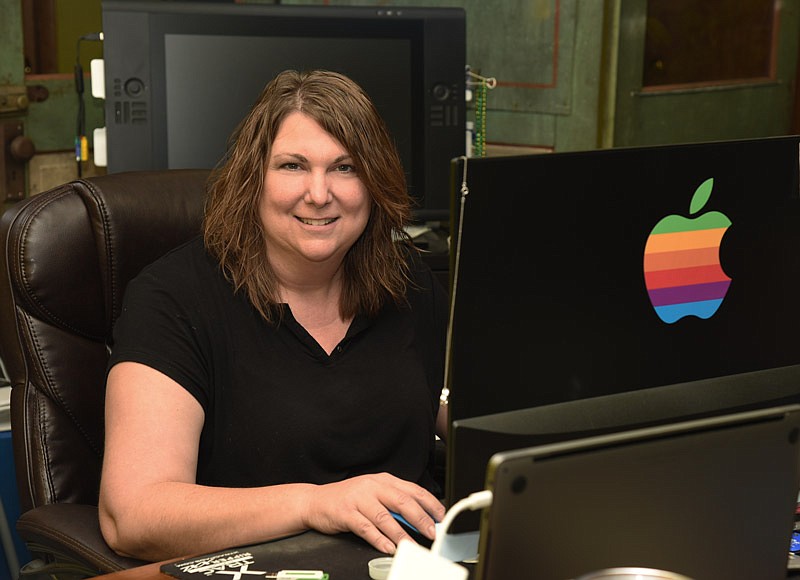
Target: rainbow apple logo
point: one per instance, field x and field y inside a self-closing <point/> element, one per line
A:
<point x="682" y="271"/>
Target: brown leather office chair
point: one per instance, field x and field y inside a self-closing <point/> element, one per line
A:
<point x="67" y="256"/>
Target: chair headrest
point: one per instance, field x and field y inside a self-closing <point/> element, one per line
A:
<point x="75" y="247"/>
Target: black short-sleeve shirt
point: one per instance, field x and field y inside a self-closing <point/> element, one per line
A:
<point x="278" y="409"/>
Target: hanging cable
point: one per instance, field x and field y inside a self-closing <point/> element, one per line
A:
<point x="81" y="142"/>
<point x="444" y="397"/>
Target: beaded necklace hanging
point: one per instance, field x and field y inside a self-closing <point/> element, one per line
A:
<point x="482" y="86"/>
<point x="479" y="146"/>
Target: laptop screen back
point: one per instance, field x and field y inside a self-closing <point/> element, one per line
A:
<point x="712" y="498"/>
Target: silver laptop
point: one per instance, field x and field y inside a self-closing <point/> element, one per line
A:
<point x="709" y="498"/>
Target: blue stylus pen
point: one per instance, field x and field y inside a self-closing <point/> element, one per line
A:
<point x="403" y="521"/>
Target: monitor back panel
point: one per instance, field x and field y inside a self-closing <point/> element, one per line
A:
<point x="552" y="299"/>
<point x="712" y="498"/>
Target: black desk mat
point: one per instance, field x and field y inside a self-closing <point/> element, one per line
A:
<point x="342" y="556"/>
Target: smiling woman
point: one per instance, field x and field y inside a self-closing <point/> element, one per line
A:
<point x="346" y="115"/>
<point x="283" y="371"/>
<point x="314" y="206"/>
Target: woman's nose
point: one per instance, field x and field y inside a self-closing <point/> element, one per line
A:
<point x="318" y="189"/>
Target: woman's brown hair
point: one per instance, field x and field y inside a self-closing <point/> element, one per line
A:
<point x="375" y="268"/>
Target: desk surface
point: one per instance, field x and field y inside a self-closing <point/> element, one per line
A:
<point x="146" y="572"/>
<point x="345" y="558"/>
<point x="342" y="556"/>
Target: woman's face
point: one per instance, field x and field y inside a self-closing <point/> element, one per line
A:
<point x="314" y="205"/>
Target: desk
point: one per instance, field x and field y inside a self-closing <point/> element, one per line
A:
<point x="343" y="556"/>
<point x="146" y="572"/>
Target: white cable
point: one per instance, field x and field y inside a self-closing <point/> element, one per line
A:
<point x="474" y="501"/>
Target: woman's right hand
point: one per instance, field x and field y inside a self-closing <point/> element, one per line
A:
<point x="363" y="505"/>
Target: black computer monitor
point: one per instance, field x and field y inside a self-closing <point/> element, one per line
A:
<point x="473" y="441"/>
<point x="578" y="311"/>
<point x="181" y="75"/>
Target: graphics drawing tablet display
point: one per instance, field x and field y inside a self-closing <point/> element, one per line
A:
<point x="710" y="498"/>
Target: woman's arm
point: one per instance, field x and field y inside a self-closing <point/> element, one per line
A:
<point x="151" y="508"/>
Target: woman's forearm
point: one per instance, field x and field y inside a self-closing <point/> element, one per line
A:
<point x="173" y="519"/>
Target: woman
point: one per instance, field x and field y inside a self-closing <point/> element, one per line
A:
<point x="282" y="372"/>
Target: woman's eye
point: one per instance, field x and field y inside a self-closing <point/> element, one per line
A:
<point x="291" y="166"/>
<point x="345" y="168"/>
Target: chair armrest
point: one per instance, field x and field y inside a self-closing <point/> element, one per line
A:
<point x="70" y="534"/>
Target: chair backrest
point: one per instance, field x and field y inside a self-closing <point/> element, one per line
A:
<point x="67" y="256"/>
